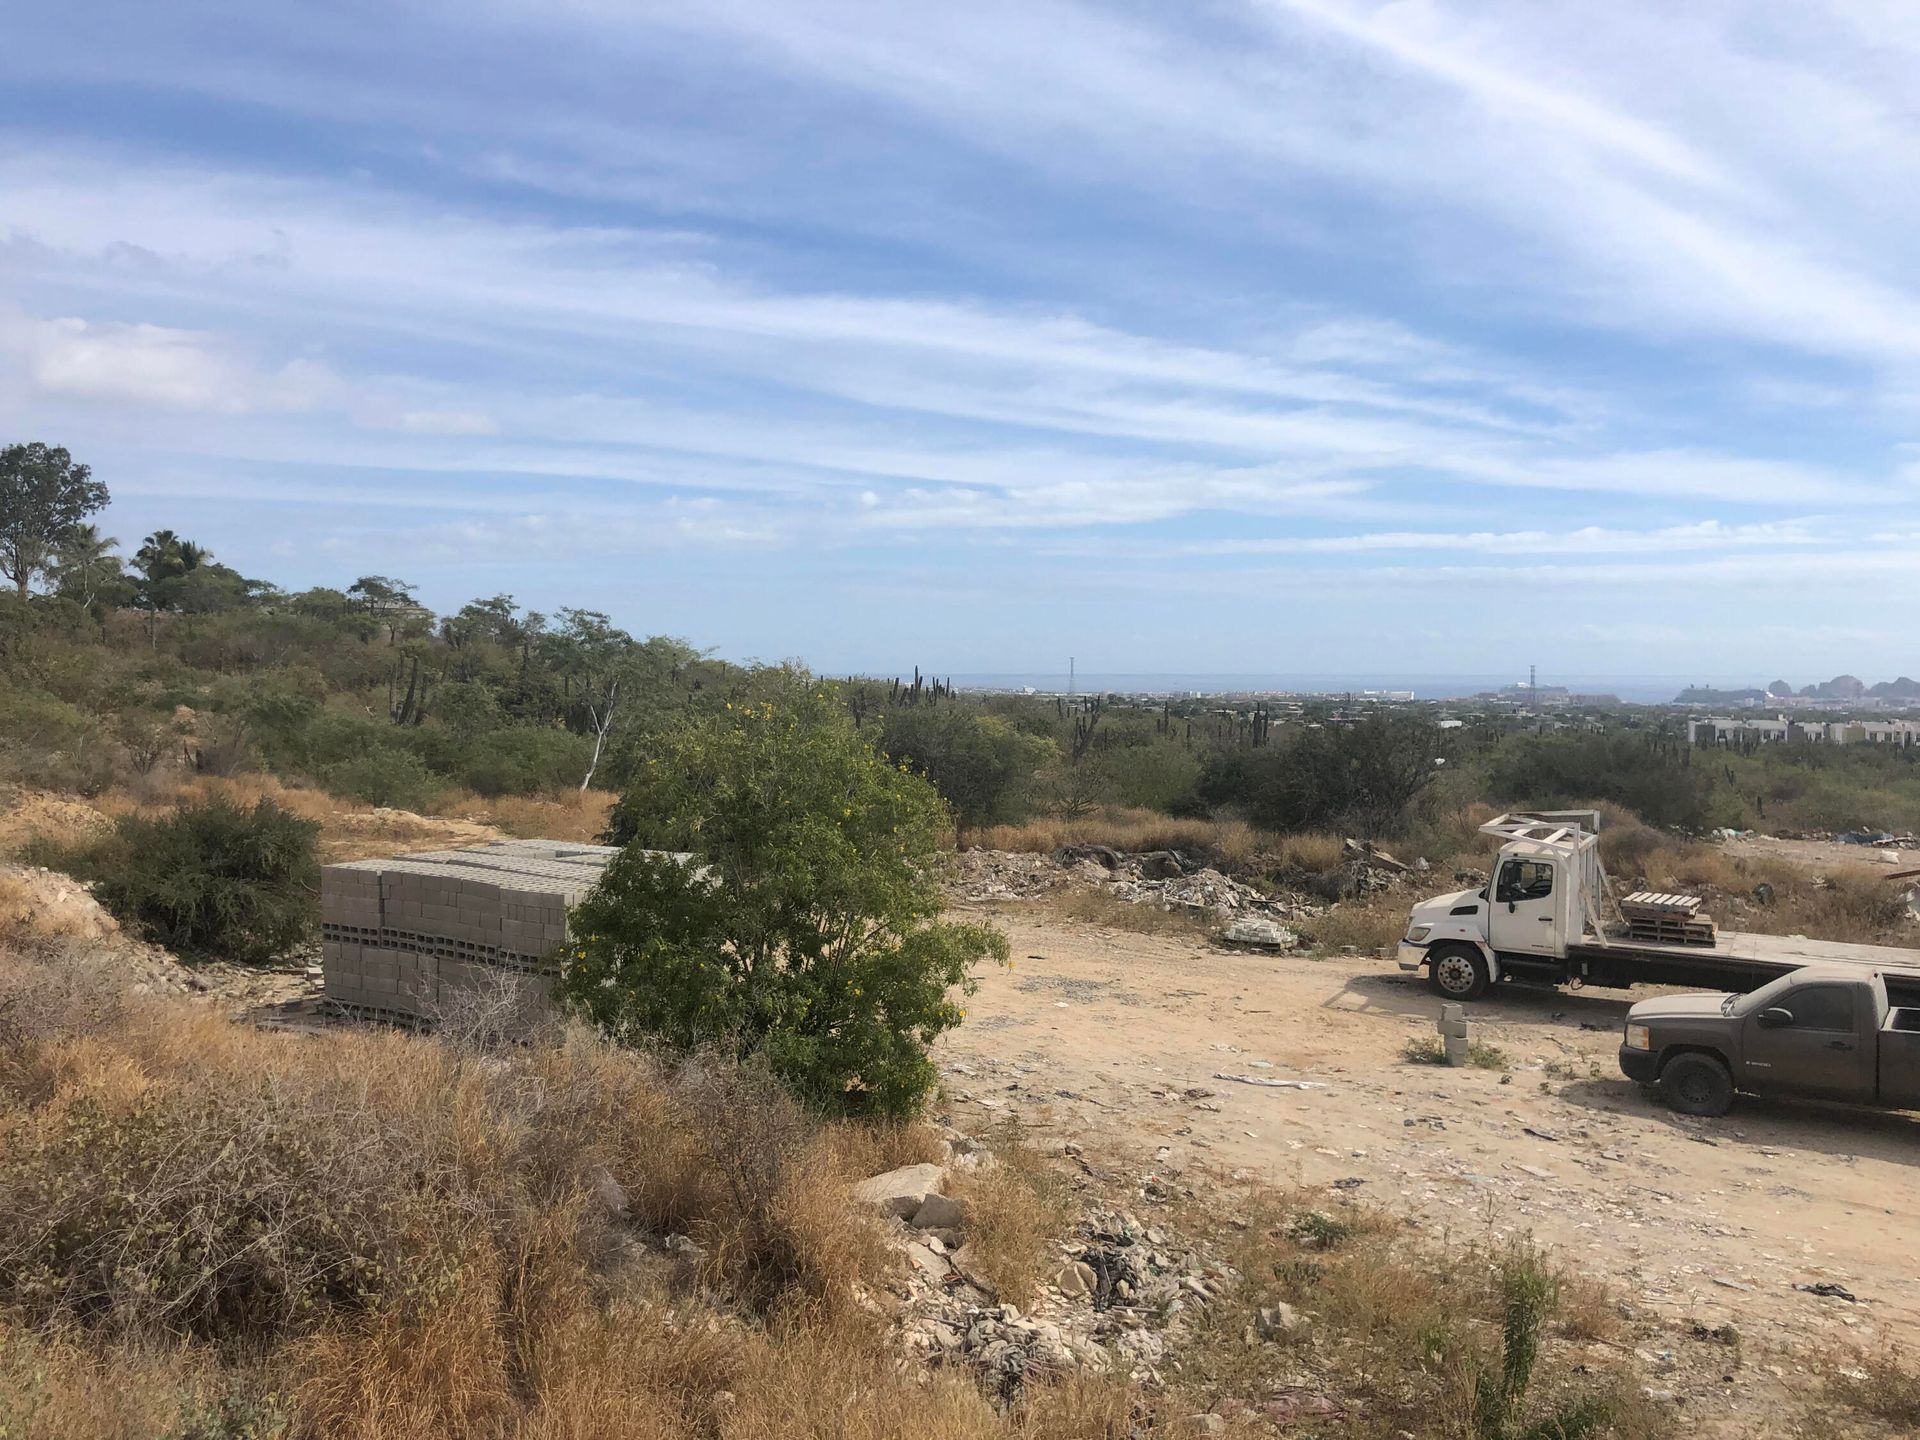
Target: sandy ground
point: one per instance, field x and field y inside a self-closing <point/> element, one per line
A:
<point x="1124" y="1038"/>
<point x="1819" y="854"/>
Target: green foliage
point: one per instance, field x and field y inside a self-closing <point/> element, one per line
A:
<point x="212" y="881"/>
<point x="521" y="760"/>
<point x="982" y="765"/>
<point x="385" y="775"/>
<point x="808" y="932"/>
<point x="1363" y="777"/>
<point x="44" y="498"/>
<point x="1655" y="778"/>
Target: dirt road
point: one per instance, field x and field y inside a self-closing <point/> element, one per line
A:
<point x="1695" y="1222"/>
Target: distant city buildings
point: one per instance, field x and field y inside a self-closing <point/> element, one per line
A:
<point x="1739" y="733"/>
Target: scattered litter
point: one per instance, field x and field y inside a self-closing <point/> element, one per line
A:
<point x="1828" y="1289"/>
<point x="1350" y="1182"/>
<point x="1270" y="1083"/>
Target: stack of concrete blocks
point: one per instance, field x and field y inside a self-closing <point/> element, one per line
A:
<point x="1454" y="1032"/>
<point x="408" y="936"/>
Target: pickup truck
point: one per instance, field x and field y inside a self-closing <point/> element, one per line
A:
<point x="1819" y="1033"/>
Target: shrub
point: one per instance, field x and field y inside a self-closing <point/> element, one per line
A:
<point x="809" y="932"/>
<point x="983" y="766"/>
<point x="388" y="776"/>
<point x="209" y="880"/>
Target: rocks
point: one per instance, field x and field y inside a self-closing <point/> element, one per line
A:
<point x="1121" y="1293"/>
<point x="1167" y="879"/>
<point x="1279" y="1321"/>
<point x="901" y="1192"/>
<point x="1076" y="1280"/>
<point x="939" y="1212"/>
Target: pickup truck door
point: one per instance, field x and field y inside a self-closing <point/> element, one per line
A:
<point x="1521" y="914"/>
<point x="1826" y="1050"/>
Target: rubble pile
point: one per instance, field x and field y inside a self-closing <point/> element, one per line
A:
<point x="1167" y="879"/>
<point x="1122" y="1292"/>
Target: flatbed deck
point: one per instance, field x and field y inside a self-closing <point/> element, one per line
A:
<point x="1737" y="961"/>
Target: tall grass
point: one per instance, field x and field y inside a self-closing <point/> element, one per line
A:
<point x="1128" y="830"/>
<point x="210" y="1230"/>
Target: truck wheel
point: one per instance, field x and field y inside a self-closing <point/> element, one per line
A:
<point x="1696" y="1084"/>
<point x="1457" y="973"/>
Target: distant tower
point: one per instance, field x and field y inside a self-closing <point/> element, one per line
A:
<point x="1072" y="682"/>
<point x="1533" y="686"/>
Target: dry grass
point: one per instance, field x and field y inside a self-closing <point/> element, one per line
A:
<point x="207" y="1230"/>
<point x="1233" y="841"/>
<point x="1097" y="907"/>
<point x="1432" y="1050"/>
<point x="1879" y="1383"/>
<point x="572" y="815"/>
<point x="1369" y="925"/>
<point x="1016" y="1208"/>
<point x="1407" y="1329"/>
<point x="1311" y="853"/>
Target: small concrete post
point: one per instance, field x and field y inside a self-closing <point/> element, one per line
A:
<point x="1453" y="1032"/>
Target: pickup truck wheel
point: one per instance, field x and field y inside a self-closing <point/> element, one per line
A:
<point x="1696" y="1085"/>
<point x="1457" y="973"/>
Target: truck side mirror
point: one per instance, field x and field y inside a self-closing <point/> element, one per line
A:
<point x="1775" y="1018"/>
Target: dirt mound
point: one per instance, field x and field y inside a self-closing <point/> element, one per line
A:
<point x="40" y="904"/>
<point x="26" y="815"/>
<point x="376" y="834"/>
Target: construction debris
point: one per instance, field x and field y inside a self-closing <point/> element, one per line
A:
<point x="1166" y="879"/>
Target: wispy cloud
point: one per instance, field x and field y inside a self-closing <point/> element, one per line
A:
<point x="1279" y="289"/>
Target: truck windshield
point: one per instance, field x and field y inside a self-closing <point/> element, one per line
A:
<point x="1758" y="999"/>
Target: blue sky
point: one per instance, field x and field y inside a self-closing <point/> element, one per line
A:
<point x="1279" y="336"/>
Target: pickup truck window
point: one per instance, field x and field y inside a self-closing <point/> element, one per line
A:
<point x="1819" y="1007"/>
<point x="1525" y="880"/>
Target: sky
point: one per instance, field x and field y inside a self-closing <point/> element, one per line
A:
<point x="1258" y="336"/>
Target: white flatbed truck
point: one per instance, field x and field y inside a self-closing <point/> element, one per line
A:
<point x="1542" y="920"/>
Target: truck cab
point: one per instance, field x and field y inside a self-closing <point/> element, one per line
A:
<point x="1519" y="923"/>
<point x="1819" y="1033"/>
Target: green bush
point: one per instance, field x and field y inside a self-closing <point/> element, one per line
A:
<point x="522" y="760"/>
<point x="385" y="776"/>
<point x="808" y="932"/>
<point x="212" y="881"/>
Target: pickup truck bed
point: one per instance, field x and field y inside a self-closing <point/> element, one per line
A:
<point x="1900" y="1059"/>
<point x="1738" y="961"/>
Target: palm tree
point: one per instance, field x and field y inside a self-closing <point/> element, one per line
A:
<point x="83" y="558"/>
<point x="164" y="555"/>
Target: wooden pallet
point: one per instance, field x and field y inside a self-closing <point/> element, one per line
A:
<point x="1657" y="905"/>
<point x="1673" y="932"/>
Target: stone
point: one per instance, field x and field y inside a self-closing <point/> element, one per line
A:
<point x="1075" y="1280"/>
<point x="1279" y="1321"/>
<point x="940" y="1212"/>
<point x="1208" y="1424"/>
<point x="607" y="1191"/>
<point x="901" y="1192"/>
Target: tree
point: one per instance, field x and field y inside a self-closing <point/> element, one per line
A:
<point x="43" y="496"/>
<point x="164" y="556"/>
<point x="1364" y="776"/>
<point x="806" y="932"/>
<point x="387" y="603"/>
<point x="981" y="764"/>
<point x="84" y="562"/>
<point x="596" y="659"/>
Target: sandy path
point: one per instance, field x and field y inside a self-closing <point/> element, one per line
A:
<point x="1702" y="1222"/>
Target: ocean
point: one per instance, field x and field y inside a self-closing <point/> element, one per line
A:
<point x="1639" y="689"/>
